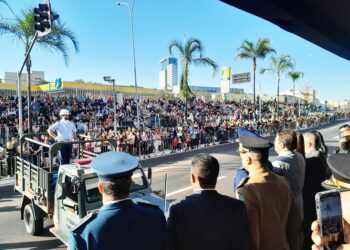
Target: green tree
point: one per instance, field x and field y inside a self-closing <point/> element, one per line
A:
<point x="278" y="66"/>
<point x="295" y="75"/>
<point x="191" y="53"/>
<point x="22" y="29"/>
<point x="259" y="50"/>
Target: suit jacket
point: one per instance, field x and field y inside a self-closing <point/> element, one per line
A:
<point x="208" y="220"/>
<point x="274" y="218"/>
<point x="123" y="225"/>
<point x="292" y="166"/>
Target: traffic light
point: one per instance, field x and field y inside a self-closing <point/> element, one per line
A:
<point x="43" y="18"/>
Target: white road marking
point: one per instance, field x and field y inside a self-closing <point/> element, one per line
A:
<point x="188" y="188"/>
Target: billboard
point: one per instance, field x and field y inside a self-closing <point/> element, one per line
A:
<point x="241" y="78"/>
<point x="225" y="73"/>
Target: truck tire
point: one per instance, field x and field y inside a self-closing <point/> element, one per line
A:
<point x="33" y="227"/>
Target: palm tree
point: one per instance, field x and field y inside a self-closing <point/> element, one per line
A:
<point x="22" y="29"/>
<point x="279" y="65"/>
<point x="191" y="53"/>
<point x="295" y="75"/>
<point x="249" y="50"/>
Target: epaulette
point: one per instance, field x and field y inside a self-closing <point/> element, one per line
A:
<point x="243" y="182"/>
<point x="85" y="220"/>
<point x="145" y="204"/>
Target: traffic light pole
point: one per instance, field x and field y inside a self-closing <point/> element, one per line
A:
<point x="19" y="87"/>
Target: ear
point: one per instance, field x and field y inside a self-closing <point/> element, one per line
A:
<point x="100" y="187"/>
<point x="193" y="178"/>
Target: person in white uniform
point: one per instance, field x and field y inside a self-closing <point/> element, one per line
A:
<point x="64" y="131"/>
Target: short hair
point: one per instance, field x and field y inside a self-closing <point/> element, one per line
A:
<point x="345" y="126"/>
<point x="288" y="138"/>
<point x="118" y="187"/>
<point x="206" y="167"/>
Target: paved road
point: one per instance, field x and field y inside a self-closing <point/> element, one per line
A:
<point x="12" y="232"/>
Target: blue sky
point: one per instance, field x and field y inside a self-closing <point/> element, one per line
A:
<point x="103" y="30"/>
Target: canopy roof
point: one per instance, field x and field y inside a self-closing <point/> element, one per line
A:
<point x="322" y="22"/>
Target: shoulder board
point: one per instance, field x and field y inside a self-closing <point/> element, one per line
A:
<point x="243" y="182"/>
<point x="85" y="220"/>
<point x="145" y="204"/>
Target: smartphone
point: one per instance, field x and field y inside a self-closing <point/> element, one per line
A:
<point x="330" y="218"/>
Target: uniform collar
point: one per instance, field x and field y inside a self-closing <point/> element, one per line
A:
<point x="284" y="153"/>
<point x="116" y="204"/>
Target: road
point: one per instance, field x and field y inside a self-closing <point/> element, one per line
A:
<point x="177" y="166"/>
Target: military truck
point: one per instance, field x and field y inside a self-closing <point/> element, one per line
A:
<point x="67" y="193"/>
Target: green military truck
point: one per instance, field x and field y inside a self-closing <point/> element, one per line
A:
<point x="67" y="193"/>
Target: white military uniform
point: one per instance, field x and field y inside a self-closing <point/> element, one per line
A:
<point x="64" y="130"/>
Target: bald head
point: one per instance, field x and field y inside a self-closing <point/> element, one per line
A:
<point x="310" y="142"/>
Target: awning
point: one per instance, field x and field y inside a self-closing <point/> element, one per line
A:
<point x="323" y="22"/>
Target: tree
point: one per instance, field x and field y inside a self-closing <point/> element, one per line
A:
<point x="249" y="50"/>
<point x="22" y="29"/>
<point x="279" y="65"/>
<point x="191" y="53"/>
<point x="295" y="75"/>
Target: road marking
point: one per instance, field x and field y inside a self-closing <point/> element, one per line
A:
<point x="188" y="188"/>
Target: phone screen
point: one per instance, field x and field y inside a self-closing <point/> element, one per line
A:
<point x="331" y="220"/>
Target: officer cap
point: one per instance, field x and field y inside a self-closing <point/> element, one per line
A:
<point x="114" y="165"/>
<point x="340" y="167"/>
<point x="64" y="112"/>
<point x="250" y="140"/>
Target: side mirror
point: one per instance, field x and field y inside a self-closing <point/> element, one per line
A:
<point x="61" y="191"/>
<point x="149" y="175"/>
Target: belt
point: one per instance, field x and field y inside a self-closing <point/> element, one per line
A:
<point x="68" y="140"/>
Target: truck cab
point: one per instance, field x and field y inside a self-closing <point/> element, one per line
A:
<point x="69" y="192"/>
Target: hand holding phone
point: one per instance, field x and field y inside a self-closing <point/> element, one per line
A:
<point x="332" y="229"/>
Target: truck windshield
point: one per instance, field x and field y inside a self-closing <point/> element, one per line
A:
<point x="139" y="182"/>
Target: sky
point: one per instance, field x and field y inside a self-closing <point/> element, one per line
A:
<point x="104" y="34"/>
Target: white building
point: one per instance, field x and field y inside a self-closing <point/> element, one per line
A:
<point x="168" y="74"/>
<point x="37" y="77"/>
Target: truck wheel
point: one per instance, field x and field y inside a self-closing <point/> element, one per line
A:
<point x="33" y="227"/>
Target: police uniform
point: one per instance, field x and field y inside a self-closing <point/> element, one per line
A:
<point x="273" y="216"/>
<point x="120" y="224"/>
<point x="340" y="167"/>
<point x="241" y="173"/>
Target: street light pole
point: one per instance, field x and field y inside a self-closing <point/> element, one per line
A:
<point x="131" y="13"/>
<point x="109" y="79"/>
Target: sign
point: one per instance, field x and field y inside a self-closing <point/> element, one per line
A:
<point x="225" y="73"/>
<point x="241" y="78"/>
<point x="225" y="87"/>
<point x="56" y="86"/>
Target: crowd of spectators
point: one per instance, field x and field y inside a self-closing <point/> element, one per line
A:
<point x="162" y="122"/>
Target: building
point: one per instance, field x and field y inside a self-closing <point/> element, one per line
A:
<point x="215" y="90"/>
<point x="168" y="79"/>
<point x="37" y="77"/>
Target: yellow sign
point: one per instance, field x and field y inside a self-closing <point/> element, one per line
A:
<point x="225" y="73"/>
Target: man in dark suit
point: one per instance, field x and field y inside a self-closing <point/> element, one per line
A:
<point x="120" y="223"/>
<point x="207" y="219"/>
<point x="316" y="172"/>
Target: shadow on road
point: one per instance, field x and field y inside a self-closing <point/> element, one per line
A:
<point x="9" y="209"/>
<point x="34" y="245"/>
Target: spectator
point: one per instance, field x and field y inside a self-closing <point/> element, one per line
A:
<point x="290" y="165"/>
<point x="207" y="219"/>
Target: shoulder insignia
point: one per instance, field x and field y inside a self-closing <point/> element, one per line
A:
<point x="145" y="204"/>
<point x="243" y="182"/>
<point x="241" y="197"/>
<point x="85" y="220"/>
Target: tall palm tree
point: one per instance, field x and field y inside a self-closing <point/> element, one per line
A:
<point x="295" y="75"/>
<point x="279" y="65"/>
<point x="191" y="53"/>
<point x="22" y="29"/>
<point x="249" y="50"/>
